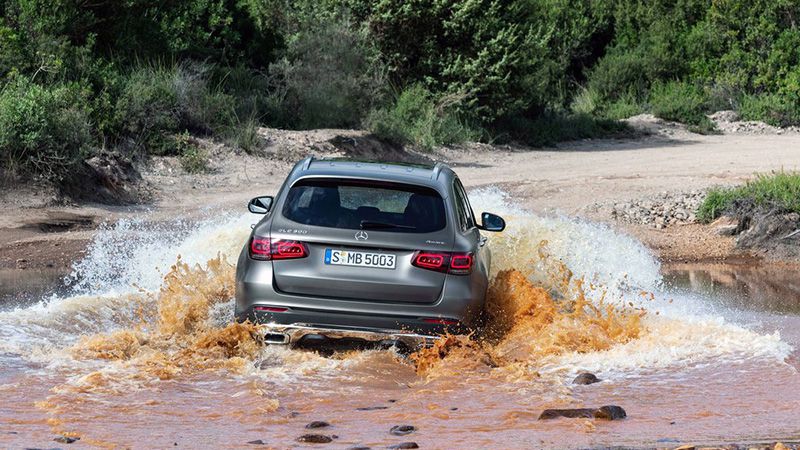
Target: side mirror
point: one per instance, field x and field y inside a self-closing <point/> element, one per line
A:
<point x="492" y="222"/>
<point x="260" y="205"/>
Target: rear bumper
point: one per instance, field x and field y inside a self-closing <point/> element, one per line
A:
<point x="294" y="334"/>
<point x="356" y="321"/>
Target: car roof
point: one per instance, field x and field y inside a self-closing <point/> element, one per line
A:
<point x="434" y="175"/>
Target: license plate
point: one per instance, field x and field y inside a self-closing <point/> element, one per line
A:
<point x="359" y="259"/>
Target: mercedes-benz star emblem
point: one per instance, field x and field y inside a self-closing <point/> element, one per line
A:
<point x="362" y="235"/>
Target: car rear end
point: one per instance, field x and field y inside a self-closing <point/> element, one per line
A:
<point x="363" y="254"/>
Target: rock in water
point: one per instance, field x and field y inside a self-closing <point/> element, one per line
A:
<point x="726" y="226"/>
<point x="610" y="412"/>
<point x="573" y="413"/>
<point x="586" y="378"/>
<point x="315" y="439"/>
<point x="257" y="442"/>
<point x="686" y="447"/>
<point x="404" y="445"/>
<point x="402" y="430"/>
<point x="66" y="439"/>
<point x="371" y="408"/>
<point x="318" y="424"/>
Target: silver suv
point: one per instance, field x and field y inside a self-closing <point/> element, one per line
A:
<point x="364" y="252"/>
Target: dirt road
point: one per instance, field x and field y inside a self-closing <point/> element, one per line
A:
<point x="574" y="176"/>
<point x="578" y="178"/>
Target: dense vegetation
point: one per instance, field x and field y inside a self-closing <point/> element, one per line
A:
<point x="779" y="191"/>
<point x="143" y="76"/>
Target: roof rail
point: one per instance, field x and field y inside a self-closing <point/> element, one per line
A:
<point x="307" y="162"/>
<point x="437" y="169"/>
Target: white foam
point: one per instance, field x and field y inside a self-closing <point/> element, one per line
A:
<point x="591" y="251"/>
<point x="123" y="260"/>
<point x="135" y="254"/>
<point x="678" y="342"/>
<point x="687" y="328"/>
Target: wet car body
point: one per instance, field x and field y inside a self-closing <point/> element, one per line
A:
<point x="373" y="252"/>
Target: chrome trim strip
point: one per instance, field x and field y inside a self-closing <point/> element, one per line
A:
<point x="295" y="332"/>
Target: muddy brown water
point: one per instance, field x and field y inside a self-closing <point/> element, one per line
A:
<point x="29" y="286"/>
<point x="746" y="285"/>
<point x="140" y="353"/>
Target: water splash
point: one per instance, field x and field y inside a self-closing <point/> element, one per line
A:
<point x="569" y="290"/>
<point x="528" y="322"/>
<point x="175" y="337"/>
<point x="591" y="251"/>
<point x="124" y="262"/>
<point x="135" y="254"/>
<point x="570" y="295"/>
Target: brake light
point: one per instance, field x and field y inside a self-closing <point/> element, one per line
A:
<point x="432" y="261"/>
<point x="452" y="263"/>
<point x="266" y="249"/>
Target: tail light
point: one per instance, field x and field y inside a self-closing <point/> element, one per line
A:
<point x="266" y="249"/>
<point x="445" y="262"/>
<point x="432" y="261"/>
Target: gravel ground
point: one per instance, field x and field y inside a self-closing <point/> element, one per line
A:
<point x="659" y="211"/>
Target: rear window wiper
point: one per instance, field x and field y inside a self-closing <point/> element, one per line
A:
<point x="368" y="224"/>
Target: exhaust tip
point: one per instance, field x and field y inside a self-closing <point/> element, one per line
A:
<point x="276" y="338"/>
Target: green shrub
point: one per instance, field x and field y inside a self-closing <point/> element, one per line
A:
<point x="622" y="108"/>
<point x="330" y="76"/>
<point x="44" y="131"/>
<point x="509" y="57"/>
<point x="774" y="109"/>
<point x="194" y="159"/>
<point x="618" y="74"/>
<point x="147" y="108"/>
<point x="586" y="102"/>
<point x="256" y="95"/>
<point x="245" y="136"/>
<point x="722" y="97"/>
<point x="419" y="119"/>
<point x="552" y="128"/>
<point x="681" y="102"/>
<point x="157" y="101"/>
<point x="202" y="108"/>
<point x="776" y="190"/>
<point x="717" y="201"/>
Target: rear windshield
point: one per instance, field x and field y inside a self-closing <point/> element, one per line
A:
<point x="363" y="205"/>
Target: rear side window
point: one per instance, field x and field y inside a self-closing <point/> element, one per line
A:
<point x="368" y="205"/>
<point x="466" y="217"/>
